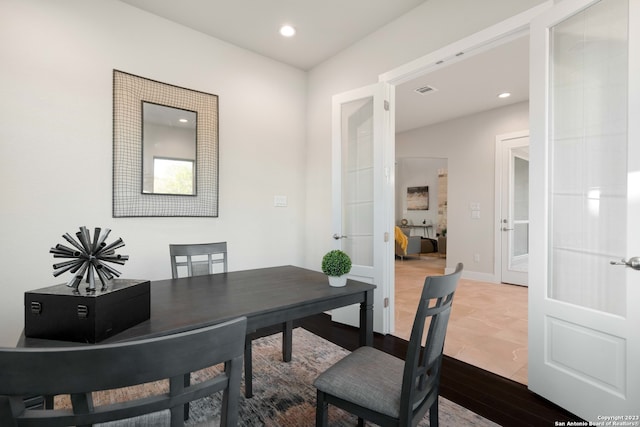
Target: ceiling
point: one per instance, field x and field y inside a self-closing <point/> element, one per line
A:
<point x="324" y="28"/>
<point x="466" y="87"/>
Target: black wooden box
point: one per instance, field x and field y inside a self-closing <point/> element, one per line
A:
<point x="57" y="313"/>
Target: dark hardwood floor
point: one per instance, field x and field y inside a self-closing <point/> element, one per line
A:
<point x="498" y="399"/>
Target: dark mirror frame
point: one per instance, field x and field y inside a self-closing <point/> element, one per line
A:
<point x="129" y="91"/>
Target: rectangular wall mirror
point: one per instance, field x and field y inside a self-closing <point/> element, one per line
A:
<point x="168" y="150"/>
<point x="165" y="149"/>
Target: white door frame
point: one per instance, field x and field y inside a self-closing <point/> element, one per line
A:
<point x="484" y="40"/>
<point x="491" y="37"/>
<point x="498" y="34"/>
<point x="499" y="198"/>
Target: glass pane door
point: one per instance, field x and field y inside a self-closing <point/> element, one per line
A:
<point x="362" y="214"/>
<point x="512" y="164"/>
<point x="519" y="247"/>
<point x="357" y="181"/>
<point x="588" y="155"/>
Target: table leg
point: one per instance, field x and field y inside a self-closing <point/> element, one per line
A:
<point x="366" y="320"/>
<point x="287" y="341"/>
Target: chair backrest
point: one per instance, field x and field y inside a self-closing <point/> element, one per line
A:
<point x="199" y="259"/>
<point x="421" y="378"/>
<point x="77" y="371"/>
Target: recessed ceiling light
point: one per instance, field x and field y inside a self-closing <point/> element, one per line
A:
<point x="287" y="31"/>
<point x="504" y="95"/>
<point x="183" y="121"/>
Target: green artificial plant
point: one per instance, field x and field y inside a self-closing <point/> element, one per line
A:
<point x="336" y="263"/>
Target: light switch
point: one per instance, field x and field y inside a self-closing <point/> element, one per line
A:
<point x="280" y="201"/>
<point x="475" y="214"/>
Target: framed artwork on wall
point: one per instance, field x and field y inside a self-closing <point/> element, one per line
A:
<point x="418" y="198"/>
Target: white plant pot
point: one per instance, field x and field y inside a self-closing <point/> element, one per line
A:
<point x="337" y="281"/>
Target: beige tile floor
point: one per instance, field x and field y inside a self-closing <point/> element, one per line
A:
<point x="488" y="324"/>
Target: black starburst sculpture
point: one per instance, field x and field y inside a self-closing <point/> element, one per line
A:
<point x="89" y="256"/>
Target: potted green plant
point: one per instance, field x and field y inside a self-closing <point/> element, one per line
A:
<point x="336" y="264"/>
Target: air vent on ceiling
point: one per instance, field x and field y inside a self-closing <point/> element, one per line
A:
<point x="425" y="90"/>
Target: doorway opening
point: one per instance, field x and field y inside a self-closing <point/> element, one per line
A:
<point x="489" y="323"/>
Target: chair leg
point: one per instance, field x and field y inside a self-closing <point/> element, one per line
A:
<point x="322" y="410"/>
<point x="187" y="383"/>
<point x="229" y="410"/>
<point x="287" y="340"/>
<point x="433" y="414"/>
<point x="248" y="368"/>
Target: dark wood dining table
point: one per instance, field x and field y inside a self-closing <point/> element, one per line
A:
<point x="266" y="296"/>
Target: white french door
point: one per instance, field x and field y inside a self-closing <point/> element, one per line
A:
<point x="512" y="165"/>
<point x="362" y="189"/>
<point x="584" y="311"/>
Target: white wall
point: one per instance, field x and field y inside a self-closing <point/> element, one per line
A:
<point x="427" y="28"/>
<point x="469" y="144"/>
<point x="56" y="141"/>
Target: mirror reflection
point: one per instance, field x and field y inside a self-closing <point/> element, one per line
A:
<point x="168" y="150"/>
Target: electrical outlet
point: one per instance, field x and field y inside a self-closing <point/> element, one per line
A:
<point x="476" y="257"/>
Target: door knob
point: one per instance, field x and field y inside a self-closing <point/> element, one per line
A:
<point x="633" y="262"/>
<point x="338" y="236"/>
<point x="506" y="229"/>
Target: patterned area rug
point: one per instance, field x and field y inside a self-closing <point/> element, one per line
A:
<point x="284" y="395"/>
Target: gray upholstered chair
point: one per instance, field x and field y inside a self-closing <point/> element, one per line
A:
<point x="384" y="389"/>
<point x="82" y="369"/>
<point x="200" y="259"/>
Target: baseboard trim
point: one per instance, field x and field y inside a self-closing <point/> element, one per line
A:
<point x="474" y="275"/>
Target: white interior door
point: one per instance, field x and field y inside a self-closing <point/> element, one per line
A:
<point x="513" y="166"/>
<point x="362" y="186"/>
<point x="584" y="312"/>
